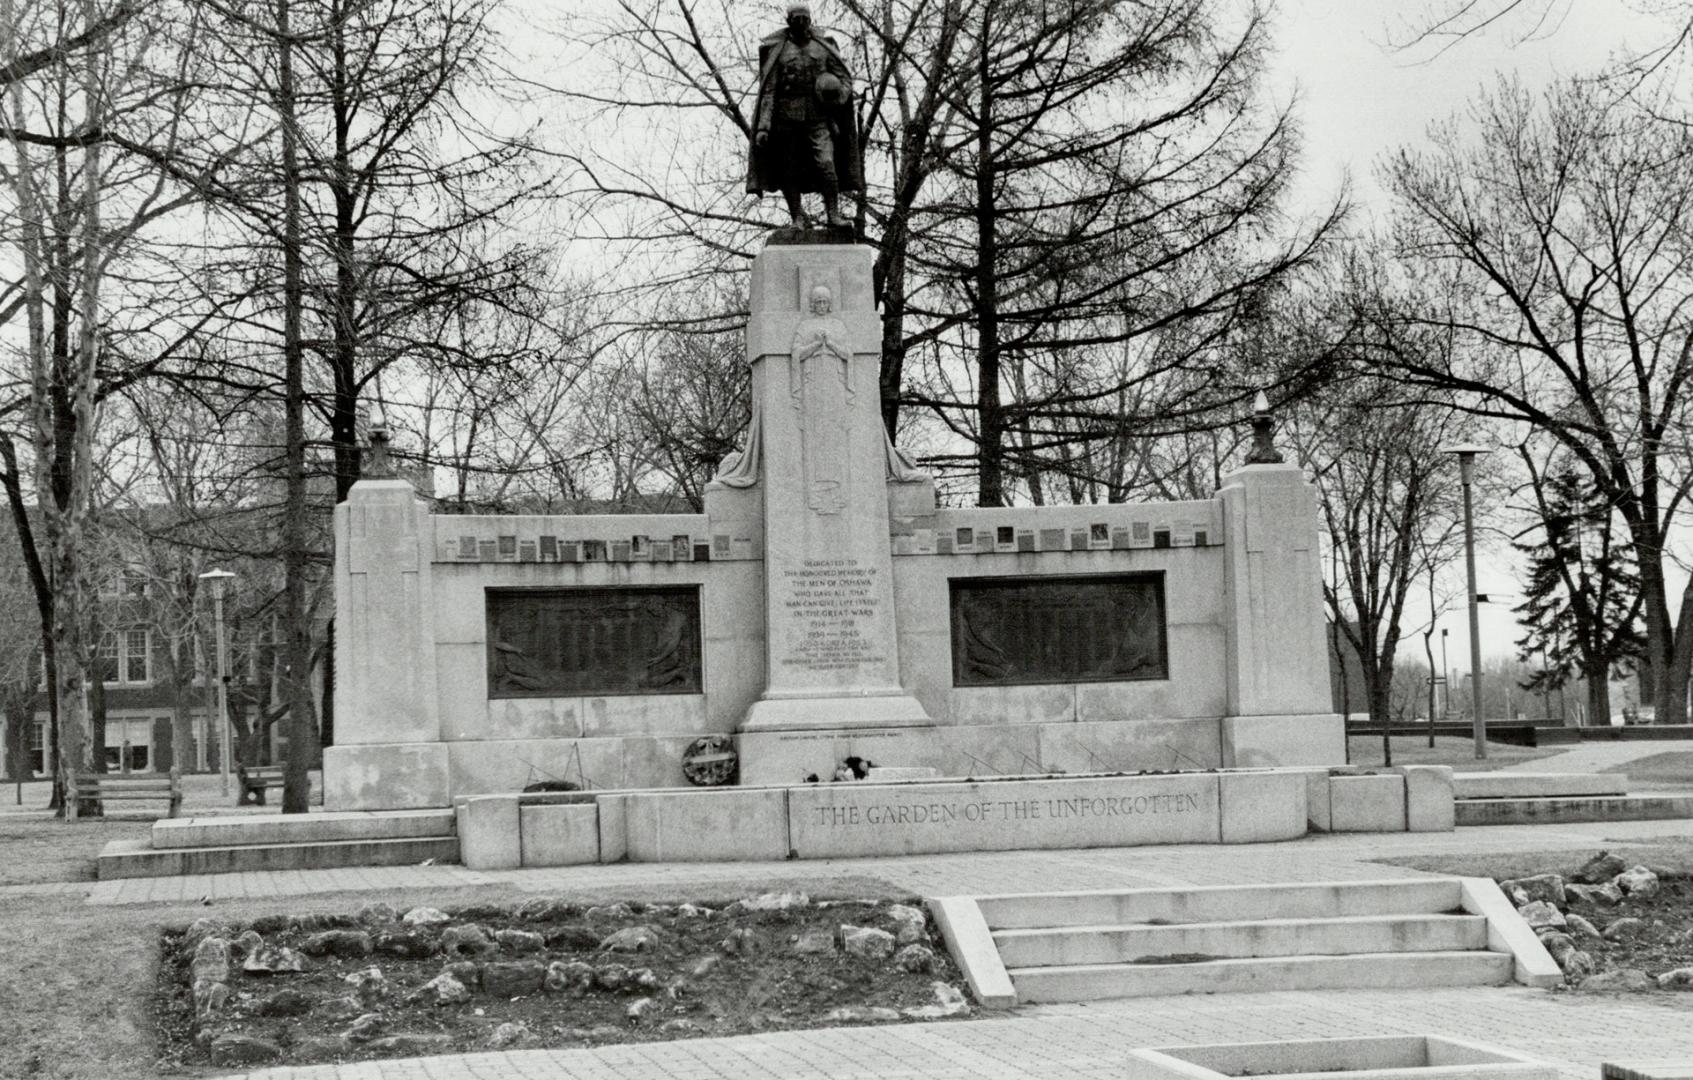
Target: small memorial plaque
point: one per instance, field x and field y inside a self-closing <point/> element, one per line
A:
<point x="570" y="551"/>
<point x="1201" y="538"/>
<point x="1026" y="540"/>
<point x="1119" y="538"/>
<point x="1097" y="628"/>
<point x="1078" y="539"/>
<point x="943" y="544"/>
<point x="549" y="549"/>
<point x="526" y="551"/>
<point x="1140" y="534"/>
<point x="1051" y="540"/>
<point x="720" y="546"/>
<point x="1099" y="533"/>
<point x="467" y="547"/>
<point x="621" y="551"/>
<point x="487" y="551"/>
<point x="662" y="551"/>
<point x="965" y="538"/>
<point x="702" y="552"/>
<point x="574" y="642"/>
<point x="1161" y="537"/>
<point x="593" y="551"/>
<point x="1005" y="537"/>
<point x="508" y="547"/>
<point x="683" y="547"/>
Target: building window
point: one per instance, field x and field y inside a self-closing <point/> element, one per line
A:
<point x="581" y="642"/>
<point x="1099" y="628"/>
<point x="125" y="658"/>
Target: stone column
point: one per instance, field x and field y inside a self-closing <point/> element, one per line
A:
<point x="388" y="753"/>
<point x="1280" y="709"/>
<point x="813" y="341"/>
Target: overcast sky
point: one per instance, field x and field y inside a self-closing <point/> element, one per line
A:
<point x="1360" y="97"/>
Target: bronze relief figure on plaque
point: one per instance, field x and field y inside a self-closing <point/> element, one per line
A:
<point x="577" y="642"/>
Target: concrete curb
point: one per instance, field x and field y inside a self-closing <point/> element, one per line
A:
<point x="973" y="950"/>
<point x="1508" y="933"/>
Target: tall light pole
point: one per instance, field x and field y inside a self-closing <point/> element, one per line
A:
<point x="1467" y="453"/>
<point x="217" y="579"/>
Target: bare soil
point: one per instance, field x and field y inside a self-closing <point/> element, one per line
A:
<point x="760" y="983"/>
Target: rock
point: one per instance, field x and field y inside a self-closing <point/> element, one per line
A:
<point x="273" y="960"/>
<point x="465" y="971"/>
<point x="520" y="941"/>
<point x="285" y="1002"/>
<point x="344" y="1007"/>
<point x="312" y="1047"/>
<point x="916" y="959"/>
<point x="572" y="977"/>
<point x="1638" y="881"/>
<point x="1632" y="980"/>
<point x="741" y="942"/>
<point x="350" y="944"/>
<point x="273" y="924"/>
<point x="1517" y="897"/>
<point x="1558" y="945"/>
<point x="679" y="1026"/>
<point x="466" y="941"/>
<point x="211" y="961"/>
<point x="859" y="1014"/>
<point x="324" y="921"/>
<point x="513" y="979"/>
<point x="370" y="985"/>
<point x="232" y="1049"/>
<point x="508" y="1035"/>
<point x="411" y="1045"/>
<point x="1623" y="929"/>
<point x="709" y="964"/>
<point x="1577" y="965"/>
<point x="425" y="916"/>
<point x="1538" y="914"/>
<point x="575" y="938"/>
<point x="611" y="977"/>
<point x="211" y="997"/>
<point x="867" y="942"/>
<point x="1580" y="926"/>
<point x="782" y="901"/>
<point x="478" y="912"/>
<point x="602" y="1032"/>
<point x="692" y="911"/>
<point x="1676" y="979"/>
<point x="248" y="943"/>
<point x="640" y="1009"/>
<point x="406" y="944"/>
<point x="631" y="939"/>
<point x="443" y="989"/>
<point x="910" y="924"/>
<point x="1600" y="868"/>
<point x="201" y="929"/>
<point x="1547" y="887"/>
<point x="949" y="1001"/>
<point x="545" y="909"/>
<point x="376" y="913"/>
<point x="367" y="1027"/>
<point x="609" y="911"/>
<point x="642" y="980"/>
<point x="813" y="942"/>
<point x="1602" y="895"/>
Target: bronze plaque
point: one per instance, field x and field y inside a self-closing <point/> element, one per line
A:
<point x="1099" y="628"/>
<point x="579" y="642"/>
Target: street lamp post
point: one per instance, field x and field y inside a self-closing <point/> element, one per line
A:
<point x="217" y="579"/>
<point x="1467" y="453"/>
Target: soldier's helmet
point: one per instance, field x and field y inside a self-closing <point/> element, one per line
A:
<point x="830" y="90"/>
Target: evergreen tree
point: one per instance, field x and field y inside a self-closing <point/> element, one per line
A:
<point x="1581" y="606"/>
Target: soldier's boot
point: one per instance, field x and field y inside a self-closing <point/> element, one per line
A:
<point x="832" y="211"/>
<point x="796" y="209"/>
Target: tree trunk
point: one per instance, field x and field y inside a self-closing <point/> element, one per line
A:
<point x="990" y="428"/>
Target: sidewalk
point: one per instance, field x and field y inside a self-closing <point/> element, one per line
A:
<point x="1589" y="757"/>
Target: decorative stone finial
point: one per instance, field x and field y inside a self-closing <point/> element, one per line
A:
<point x="1264" y="450"/>
<point x="376" y="463"/>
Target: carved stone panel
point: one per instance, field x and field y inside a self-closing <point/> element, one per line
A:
<point x="1099" y="628"/>
<point x="578" y="642"/>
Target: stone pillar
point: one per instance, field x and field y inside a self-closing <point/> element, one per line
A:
<point x="388" y="753"/>
<point x="813" y="341"/>
<point x="1280" y="710"/>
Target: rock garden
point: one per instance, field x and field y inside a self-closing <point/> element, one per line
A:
<point x="1612" y="926"/>
<point x="382" y="982"/>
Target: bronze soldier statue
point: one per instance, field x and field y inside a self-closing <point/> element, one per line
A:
<point x="804" y="137"/>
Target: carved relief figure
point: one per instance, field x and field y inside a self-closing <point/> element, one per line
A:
<point x="820" y="384"/>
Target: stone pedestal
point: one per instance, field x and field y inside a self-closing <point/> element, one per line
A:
<point x="388" y="753"/>
<point x="813" y="342"/>
<point x="1280" y="711"/>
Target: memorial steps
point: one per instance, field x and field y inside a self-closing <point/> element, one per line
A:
<point x="316" y="841"/>
<point x="1522" y="798"/>
<point x="1144" y="942"/>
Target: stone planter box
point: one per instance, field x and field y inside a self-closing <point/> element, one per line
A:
<point x="1392" y="1057"/>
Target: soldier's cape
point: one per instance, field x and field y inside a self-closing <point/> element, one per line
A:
<point x="764" y="174"/>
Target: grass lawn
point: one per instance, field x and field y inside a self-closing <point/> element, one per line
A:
<point x="1447" y="750"/>
<point x="36" y="849"/>
<point x="1672" y="771"/>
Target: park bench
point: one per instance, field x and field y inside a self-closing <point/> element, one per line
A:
<point x="108" y="787"/>
<point x="255" y="780"/>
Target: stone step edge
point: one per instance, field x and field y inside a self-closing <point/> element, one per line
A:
<point x="131" y="855"/>
<point x="176" y="834"/>
<point x="1001" y="910"/>
<point x="1401" y="958"/>
<point x="1569" y="809"/>
<point x="1011" y="933"/>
